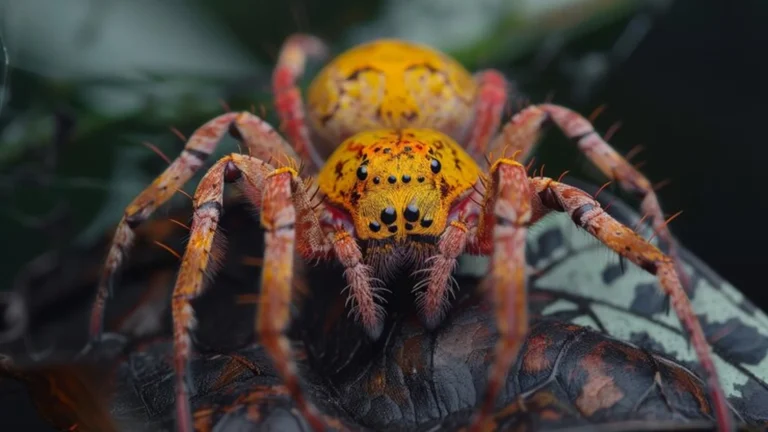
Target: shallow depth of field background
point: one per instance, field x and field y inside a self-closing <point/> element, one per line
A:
<point x="88" y="81"/>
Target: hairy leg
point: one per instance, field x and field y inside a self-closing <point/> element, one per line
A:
<point x="503" y="226"/>
<point x="288" y="102"/>
<point x="585" y="212"/>
<point x="363" y="287"/>
<point x="276" y="202"/>
<point x="260" y="139"/>
<point x="437" y="277"/>
<point x="523" y="131"/>
<point x="491" y="99"/>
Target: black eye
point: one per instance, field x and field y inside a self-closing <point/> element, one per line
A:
<point x="406" y="178"/>
<point x="426" y="223"/>
<point x="388" y="215"/>
<point x="435" y="166"/>
<point x="374" y="226"/>
<point x="376" y="180"/>
<point x="411" y="213"/>
<point x="392" y="179"/>
<point x="362" y="172"/>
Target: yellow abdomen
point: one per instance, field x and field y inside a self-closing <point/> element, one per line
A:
<point x="390" y="84"/>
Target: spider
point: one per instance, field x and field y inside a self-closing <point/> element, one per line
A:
<point x="398" y="193"/>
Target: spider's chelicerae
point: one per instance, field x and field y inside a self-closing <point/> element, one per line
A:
<point x="404" y="190"/>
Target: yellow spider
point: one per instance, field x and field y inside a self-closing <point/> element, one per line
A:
<point x="398" y="193"/>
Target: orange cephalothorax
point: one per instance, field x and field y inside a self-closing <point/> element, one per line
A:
<point x="398" y="182"/>
<point x="390" y="84"/>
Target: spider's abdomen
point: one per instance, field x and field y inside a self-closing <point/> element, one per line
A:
<point x="390" y="84"/>
<point x="397" y="182"/>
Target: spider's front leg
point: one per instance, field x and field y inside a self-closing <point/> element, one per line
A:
<point x="523" y="131"/>
<point x="285" y="209"/>
<point x="585" y="212"/>
<point x="260" y="140"/>
<point x="504" y="218"/>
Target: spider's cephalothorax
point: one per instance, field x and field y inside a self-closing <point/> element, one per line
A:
<point x="399" y="188"/>
<point x="397" y="183"/>
<point x="395" y="193"/>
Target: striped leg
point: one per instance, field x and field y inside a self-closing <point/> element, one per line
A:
<point x="261" y="140"/>
<point x="522" y="132"/>
<point x="278" y="217"/>
<point x="288" y="102"/>
<point x="501" y="234"/>
<point x="586" y="213"/>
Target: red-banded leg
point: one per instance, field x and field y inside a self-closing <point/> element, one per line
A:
<point x="261" y="140"/>
<point x="522" y="133"/>
<point x="276" y="193"/>
<point x="505" y="216"/>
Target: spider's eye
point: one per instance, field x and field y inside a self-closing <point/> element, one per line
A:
<point x="411" y="213"/>
<point x="389" y="215"/>
<point x="362" y="172"/>
<point x="435" y="166"/>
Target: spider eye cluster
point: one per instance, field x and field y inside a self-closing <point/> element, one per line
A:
<point x="362" y="174"/>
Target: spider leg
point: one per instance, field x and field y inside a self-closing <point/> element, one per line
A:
<point x="491" y="98"/>
<point x="362" y="291"/>
<point x="522" y="132"/>
<point x="261" y="140"/>
<point x="585" y="212"/>
<point x="506" y="213"/>
<point x="288" y="100"/>
<point x="433" y="301"/>
<point x="279" y="219"/>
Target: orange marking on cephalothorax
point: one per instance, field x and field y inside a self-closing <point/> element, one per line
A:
<point x="397" y="182"/>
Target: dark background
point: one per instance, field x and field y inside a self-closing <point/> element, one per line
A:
<point x="691" y="93"/>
